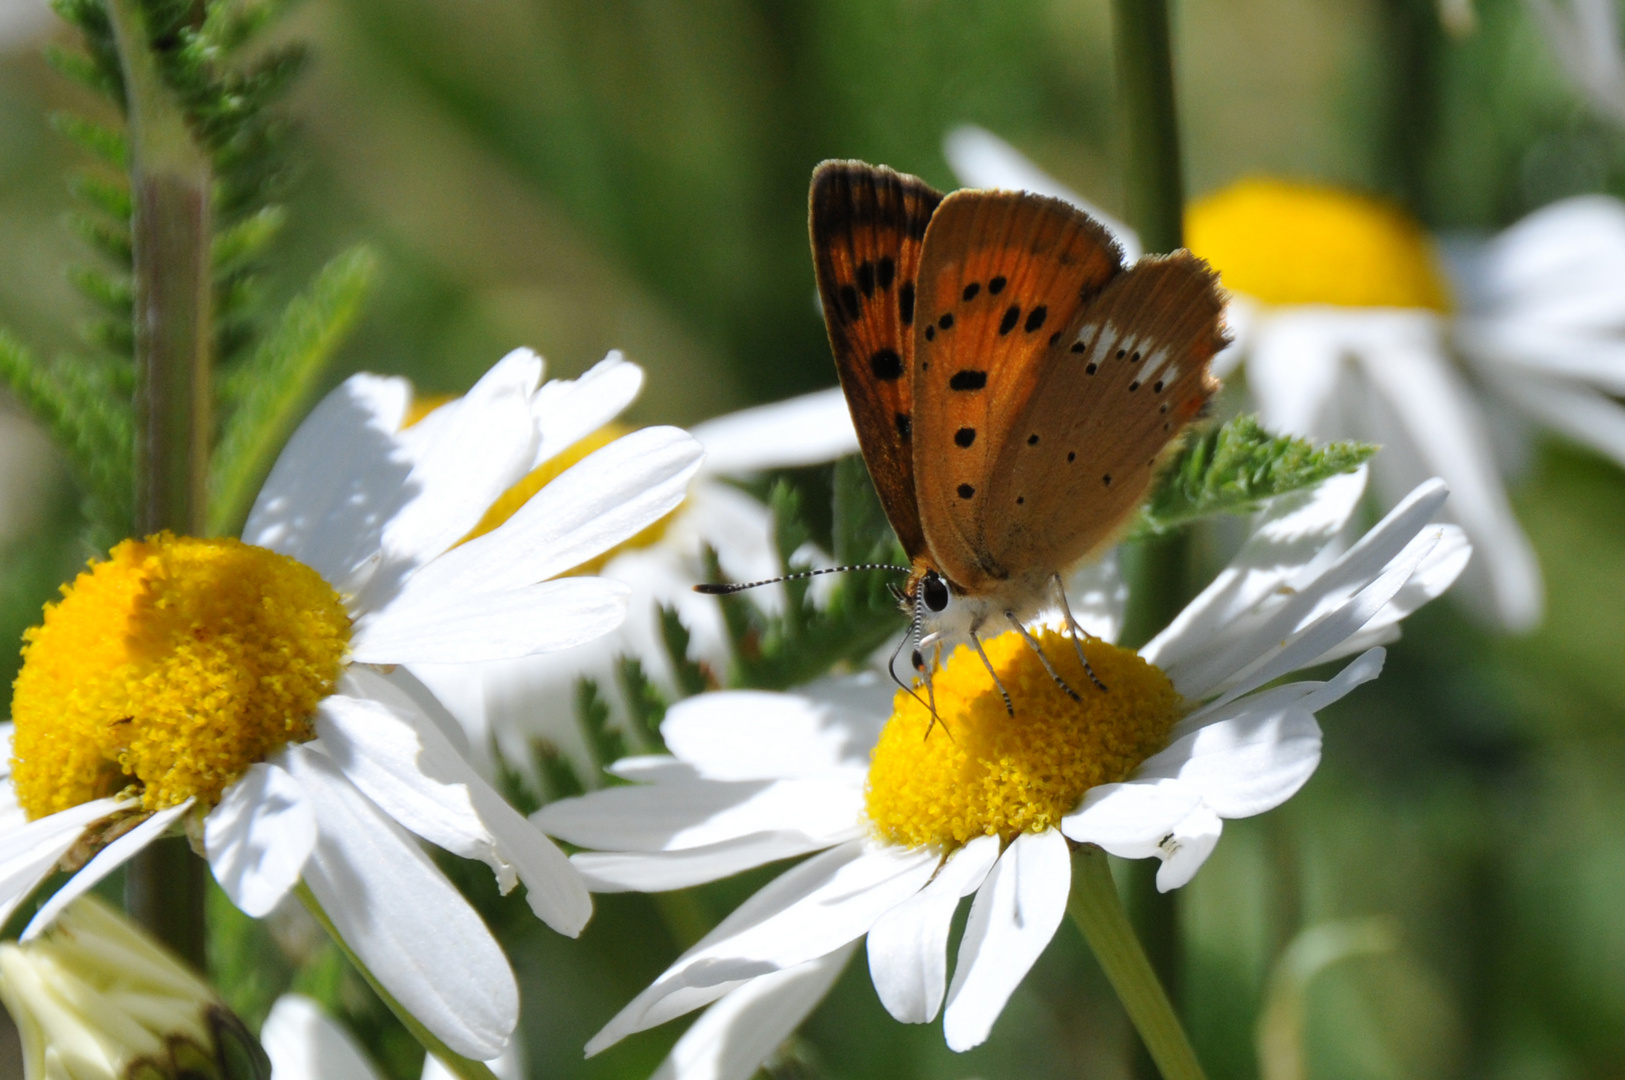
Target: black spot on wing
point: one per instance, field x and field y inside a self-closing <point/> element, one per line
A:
<point x="930" y="332"/>
<point x="947" y="320"/>
<point x="1032" y="440"/>
<point x="1053" y="338"/>
<point x="968" y="379"/>
<point x="966" y="491"/>
<point x="866" y="278"/>
<point x="1011" y="316"/>
<point x="886" y="365"/>
<point x="885" y="272"/>
<point x="1078" y="347"/>
<point x="970" y="291"/>
<point x="1036" y="318"/>
<point x="905" y="426"/>
<point x="849" y="302"/>
<point x="965" y="436"/>
<point x="996" y="286"/>
<point x="905" y="303"/>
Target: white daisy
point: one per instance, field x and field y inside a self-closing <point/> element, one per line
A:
<point x="902" y="821"/>
<point x="1350" y="326"/>
<point x="515" y="701"/>
<point x="304" y="1043"/>
<point x="245" y="691"/>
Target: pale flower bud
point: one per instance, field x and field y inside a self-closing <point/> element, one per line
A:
<point x="94" y="998"/>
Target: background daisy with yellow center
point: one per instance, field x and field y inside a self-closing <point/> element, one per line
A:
<point x="1351" y="322"/>
<point x="258" y="694"/>
<point x="905" y="816"/>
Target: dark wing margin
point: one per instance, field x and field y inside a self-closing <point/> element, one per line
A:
<point x="866" y="224"/>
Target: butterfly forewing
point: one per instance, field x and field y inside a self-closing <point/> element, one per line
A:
<point x="1004" y="281"/>
<point x="867" y="225"/>
<point x="1108" y="399"/>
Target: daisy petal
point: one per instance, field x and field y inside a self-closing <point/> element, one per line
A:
<point x="339" y="479"/>
<point x="740" y="1032"/>
<point x="1130" y="818"/>
<point x="304" y="1044"/>
<point x="107" y="860"/>
<point x="545" y="617"/>
<point x="757" y="734"/>
<point x="1186" y="848"/>
<point x="30" y="852"/>
<point x="399" y="759"/>
<point x="806" y="430"/>
<point x="389" y="903"/>
<point x="665" y="870"/>
<point x="568" y="410"/>
<point x="1577" y="411"/>
<point x="804" y="913"/>
<point x="259" y="837"/>
<point x="1012" y="919"/>
<point x="908" y="946"/>
<point x="1248" y="763"/>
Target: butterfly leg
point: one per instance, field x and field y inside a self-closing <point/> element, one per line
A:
<point x="1076" y="630"/>
<point x="1032" y="643"/>
<point x="976" y="643"/>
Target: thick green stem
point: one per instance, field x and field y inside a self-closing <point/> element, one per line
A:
<point x="466" y="1068"/>
<point x="171" y="235"/>
<point x="1095" y="907"/>
<point x="1145" y="94"/>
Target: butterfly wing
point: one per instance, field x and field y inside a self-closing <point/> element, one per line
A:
<point x="1005" y="278"/>
<point x="1108" y="400"/>
<point x="867" y="224"/>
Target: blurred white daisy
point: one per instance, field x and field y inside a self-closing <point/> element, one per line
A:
<point x="1350" y="325"/>
<point x="515" y="701"/>
<point x="243" y="690"/>
<point x="903" y="821"/>
<point x="304" y="1043"/>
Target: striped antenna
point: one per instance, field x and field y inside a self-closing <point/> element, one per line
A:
<point x="725" y="590"/>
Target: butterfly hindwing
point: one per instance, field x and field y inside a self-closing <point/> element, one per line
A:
<point x="867" y="224"/>
<point x="1108" y="400"/>
<point x="1004" y="280"/>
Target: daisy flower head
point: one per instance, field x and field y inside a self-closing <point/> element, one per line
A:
<point x="257" y="693"/>
<point x="1351" y="322"/>
<point x="509" y="703"/>
<point x="905" y="814"/>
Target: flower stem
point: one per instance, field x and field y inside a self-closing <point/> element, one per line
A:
<point x="171" y="241"/>
<point x="465" y="1068"/>
<point x="1095" y="907"/>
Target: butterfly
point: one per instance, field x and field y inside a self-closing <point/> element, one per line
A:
<point x="1012" y="383"/>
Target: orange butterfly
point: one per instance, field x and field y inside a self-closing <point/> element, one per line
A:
<point x="1012" y="383"/>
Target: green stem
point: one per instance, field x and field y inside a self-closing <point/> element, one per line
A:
<point x="171" y="235"/>
<point x="466" y="1068"/>
<point x="1145" y="94"/>
<point x="1095" y="907"/>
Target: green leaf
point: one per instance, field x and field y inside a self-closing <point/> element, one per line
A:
<point x="645" y="704"/>
<point x="101" y="141"/>
<point x="247" y="238"/>
<point x="263" y="398"/>
<point x="691" y="678"/>
<point x="1233" y="468"/>
<point x="592" y="713"/>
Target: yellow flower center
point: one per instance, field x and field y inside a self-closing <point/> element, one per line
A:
<point x="174" y="665"/>
<point x="981" y="771"/>
<point x="511" y="500"/>
<point x="1286" y="243"/>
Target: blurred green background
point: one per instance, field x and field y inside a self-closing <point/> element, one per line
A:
<point x="582" y="176"/>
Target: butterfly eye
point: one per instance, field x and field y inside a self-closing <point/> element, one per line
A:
<point x="934" y="591"/>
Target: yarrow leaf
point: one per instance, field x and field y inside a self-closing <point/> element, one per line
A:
<point x="1234" y="468"/>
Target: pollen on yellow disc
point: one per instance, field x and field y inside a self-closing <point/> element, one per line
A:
<point x="174" y="665"/>
<point x="1290" y="243"/>
<point x="980" y="771"/>
<point x="511" y="500"/>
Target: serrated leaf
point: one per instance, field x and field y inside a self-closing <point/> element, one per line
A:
<point x="110" y="197"/>
<point x="263" y="398"/>
<point x="247" y="238"/>
<point x="1234" y="468"/>
<point x="103" y="142"/>
<point x="645" y="704"/>
<point x="690" y="677"/>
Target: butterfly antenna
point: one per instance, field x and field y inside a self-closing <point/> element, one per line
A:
<point x="976" y="643"/>
<point x="1032" y="643"/>
<point x="931" y="694"/>
<point x="891" y="669"/>
<point x="1072" y="625"/>
<point x="728" y="589"/>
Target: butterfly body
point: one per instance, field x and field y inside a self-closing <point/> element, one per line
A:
<point x="1013" y="385"/>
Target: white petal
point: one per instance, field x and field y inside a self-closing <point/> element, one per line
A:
<point x="30" y="850"/>
<point x="665" y="870"/>
<point x="1012" y="919"/>
<point x="339" y="479"/>
<point x="608" y="496"/>
<point x="259" y="837"/>
<point x="1439" y="570"/>
<point x="400" y="760"/>
<point x="415" y="932"/>
<point x="1186" y="848"/>
<point x="466" y="463"/>
<point x="983" y="160"/>
<point x="107" y="860"/>
<point x="469" y="627"/>
<point x="1296" y="370"/>
<point x="757" y="734"/>
<point x="304" y="1044"/>
<point x="683" y="810"/>
<point x="1129" y="819"/>
<point x="908" y="946"/>
<point x="568" y="410"/>
<point x="1575" y="410"/>
<point x="740" y="1032"/>
<point x="806" y="430"/>
<point x="804" y="913"/>
<point x="1253" y="761"/>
